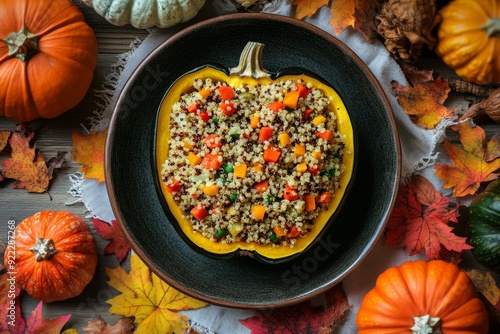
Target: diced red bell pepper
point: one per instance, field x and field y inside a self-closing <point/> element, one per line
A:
<point x="227" y="108"/>
<point x="307" y="112"/>
<point x="204" y="116"/>
<point x="314" y="170"/>
<point x="261" y="186"/>
<point x="199" y="211"/>
<point x="226" y="92"/>
<point x="211" y="161"/>
<point x="324" y="197"/>
<point x="192" y="108"/>
<point x="276" y="106"/>
<point x="294" y="231"/>
<point x="303" y="91"/>
<point x="290" y="193"/>
<point x="326" y="135"/>
<point x="174" y="186"/>
<point x="212" y="141"/>
<point x="265" y="133"/>
<point x="272" y="154"/>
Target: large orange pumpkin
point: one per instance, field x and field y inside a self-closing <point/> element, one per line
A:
<point x="47" y="58"/>
<point x="422" y="297"/>
<point x="55" y="255"/>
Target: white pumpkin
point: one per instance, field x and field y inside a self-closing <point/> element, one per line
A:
<point x="144" y="14"/>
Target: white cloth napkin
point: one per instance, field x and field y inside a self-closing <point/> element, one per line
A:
<point x="418" y="149"/>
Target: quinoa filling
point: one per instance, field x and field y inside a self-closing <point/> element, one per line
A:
<point x="253" y="163"/>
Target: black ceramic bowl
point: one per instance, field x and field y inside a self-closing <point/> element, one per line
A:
<point x="132" y="181"/>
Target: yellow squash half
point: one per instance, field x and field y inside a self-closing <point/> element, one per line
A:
<point x="266" y="253"/>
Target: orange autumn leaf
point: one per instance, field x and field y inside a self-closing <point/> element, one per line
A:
<point x="27" y="165"/>
<point x="420" y="220"/>
<point x="342" y="15"/>
<point x="469" y="164"/>
<point x="485" y="284"/>
<point x="4" y="138"/>
<point x="35" y="324"/>
<point x="99" y="326"/>
<point x="152" y="302"/>
<point x="11" y="317"/>
<point x="307" y="8"/>
<point x="364" y="17"/>
<point x="423" y="101"/>
<point x="493" y="149"/>
<point x="89" y="151"/>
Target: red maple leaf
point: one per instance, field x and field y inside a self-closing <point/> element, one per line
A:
<point x="420" y="221"/>
<point x="35" y="323"/>
<point x="118" y="244"/>
<point x="304" y="318"/>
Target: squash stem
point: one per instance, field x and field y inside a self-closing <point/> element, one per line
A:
<point x="43" y="249"/>
<point x="250" y="64"/>
<point x="22" y="44"/>
<point x="426" y="325"/>
<point x="492" y="27"/>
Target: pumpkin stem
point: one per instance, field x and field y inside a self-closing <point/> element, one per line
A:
<point x="426" y="325"/>
<point x="251" y="62"/>
<point x="43" y="249"/>
<point x="492" y="27"/>
<point x="22" y="44"/>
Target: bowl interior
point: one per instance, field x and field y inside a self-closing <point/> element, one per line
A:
<point x="243" y="282"/>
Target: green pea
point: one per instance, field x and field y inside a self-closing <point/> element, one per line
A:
<point x="228" y="169"/>
<point x="328" y="173"/>
<point x="273" y="237"/>
<point x="233" y="197"/>
<point x="270" y="199"/>
<point x="214" y="120"/>
<point x="235" y="135"/>
<point x="221" y="233"/>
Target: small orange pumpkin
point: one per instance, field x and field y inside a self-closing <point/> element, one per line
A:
<point x="469" y="39"/>
<point x="56" y="255"/>
<point x="422" y="297"/>
<point x="47" y="58"/>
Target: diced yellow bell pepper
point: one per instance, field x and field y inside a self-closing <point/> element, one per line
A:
<point x="204" y="93"/>
<point x="317" y="155"/>
<point x="235" y="228"/>
<point x="301" y="168"/>
<point x="318" y="120"/>
<point x="291" y="99"/>
<point x="188" y="144"/>
<point x="258" y="212"/>
<point x="258" y="169"/>
<point x="284" y="139"/>
<point x="231" y="211"/>
<point x="254" y="121"/>
<point x="194" y="159"/>
<point x="300" y="150"/>
<point x="279" y="231"/>
<point x="240" y="170"/>
<point x="211" y="190"/>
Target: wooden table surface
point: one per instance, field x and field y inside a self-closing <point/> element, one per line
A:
<point x="54" y="135"/>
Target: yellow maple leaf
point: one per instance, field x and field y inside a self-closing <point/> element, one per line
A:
<point x="342" y="15"/>
<point x="307" y="8"/>
<point x="89" y="151"/>
<point x="152" y="302"/>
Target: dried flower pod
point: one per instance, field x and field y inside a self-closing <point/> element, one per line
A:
<point x="407" y="27"/>
<point x="484" y="110"/>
